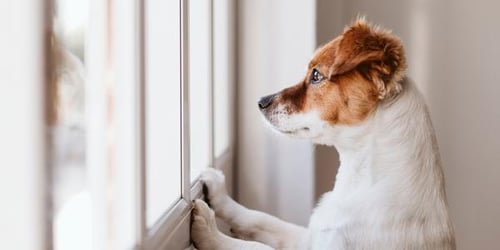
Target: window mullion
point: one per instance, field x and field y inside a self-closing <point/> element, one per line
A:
<point x="211" y="84"/>
<point x="140" y="126"/>
<point x="185" y="125"/>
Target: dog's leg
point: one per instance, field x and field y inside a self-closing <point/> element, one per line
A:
<point x="250" y="224"/>
<point x="206" y="236"/>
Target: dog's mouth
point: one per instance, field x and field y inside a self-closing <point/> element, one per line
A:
<point x="294" y="131"/>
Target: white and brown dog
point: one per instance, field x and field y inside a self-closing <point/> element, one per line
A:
<point x="389" y="191"/>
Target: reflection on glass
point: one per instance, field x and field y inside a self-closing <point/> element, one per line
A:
<point x="71" y="199"/>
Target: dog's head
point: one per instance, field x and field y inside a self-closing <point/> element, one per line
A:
<point x="346" y="80"/>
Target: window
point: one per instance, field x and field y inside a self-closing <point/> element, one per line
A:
<point x="137" y="104"/>
<point x="72" y="204"/>
<point x="223" y="45"/>
<point x="200" y="87"/>
<point x="162" y="107"/>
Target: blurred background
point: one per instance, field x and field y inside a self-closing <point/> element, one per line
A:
<point x="111" y="109"/>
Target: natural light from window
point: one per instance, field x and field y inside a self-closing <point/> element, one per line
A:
<point x="199" y="87"/>
<point x="72" y="221"/>
<point x="222" y="64"/>
<point x="163" y="117"/>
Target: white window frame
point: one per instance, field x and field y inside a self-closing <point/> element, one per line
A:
<point x="171" y="231"/>
<point x="27" y="163"/>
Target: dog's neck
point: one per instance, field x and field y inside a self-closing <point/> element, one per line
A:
<point x="395" y="146"/>
<point x="390" y="181"/>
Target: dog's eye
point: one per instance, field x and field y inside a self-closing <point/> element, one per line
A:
<point x="316" y="77"/>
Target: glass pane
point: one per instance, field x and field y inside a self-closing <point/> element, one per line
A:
<point x="199" y="88"/>
<point x="222" y="76"/>
<point x="72" y="225"/>
<point x="163" y="149"/>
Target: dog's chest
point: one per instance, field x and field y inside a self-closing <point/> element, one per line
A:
<point x="364" y="222"/>
<point x="339" y="222"/>
<point x="329" y="224"/>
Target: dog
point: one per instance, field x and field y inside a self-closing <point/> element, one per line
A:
<point x="389" y="191"/>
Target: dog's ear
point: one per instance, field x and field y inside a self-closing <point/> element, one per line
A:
<point x="376" y="53"/>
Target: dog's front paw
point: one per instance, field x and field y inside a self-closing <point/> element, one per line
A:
<point x="203" y="226"/>
<point x="214" y="187"/>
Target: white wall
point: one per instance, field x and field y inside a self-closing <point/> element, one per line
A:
<point x="453" y="49"/>
<point x="275" y="42"/>
<point x="329" y="22"/>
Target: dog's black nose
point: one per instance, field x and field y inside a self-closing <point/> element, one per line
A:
<point x="266" y="101"/>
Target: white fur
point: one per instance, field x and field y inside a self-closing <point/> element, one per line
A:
<point x="300" y="125"/>
<point x="389" y="190"/>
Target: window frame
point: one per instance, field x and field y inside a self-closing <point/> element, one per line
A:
<point x="172" y="231"/>
<point x="171" y="225"/>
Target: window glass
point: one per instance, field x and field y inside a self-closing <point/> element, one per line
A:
<point x="72" y="205"/>
<point x="92" y="113"/>
<point x="222" y="76"/>
<point x="199" y="86"/>
<point x="163" y="117"/>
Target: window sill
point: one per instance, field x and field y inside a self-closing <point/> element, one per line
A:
<point x="173" y="229"/>
<point x="174" y="224"/>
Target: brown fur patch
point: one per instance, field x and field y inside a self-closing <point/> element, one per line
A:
<point x="375" y="52"/>
<point x="362" y="67"/>
<point x="349" y="99"/>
